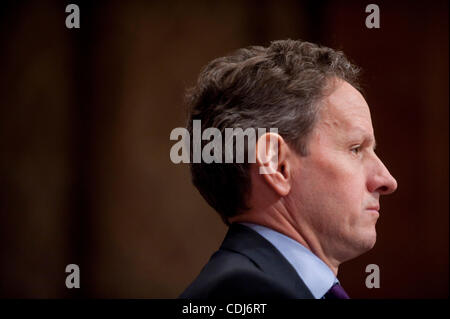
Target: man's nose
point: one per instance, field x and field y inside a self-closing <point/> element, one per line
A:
<point x="382" y="181"/>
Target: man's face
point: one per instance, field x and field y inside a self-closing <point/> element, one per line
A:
<point x="337" y="186"/>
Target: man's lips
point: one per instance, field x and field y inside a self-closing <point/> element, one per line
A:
<point x="375" y="208"/>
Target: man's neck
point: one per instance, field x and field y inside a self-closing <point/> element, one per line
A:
<point x="280" y="222"/>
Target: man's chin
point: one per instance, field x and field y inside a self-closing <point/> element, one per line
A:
<point x="368" y="242"/>
<point x="358" y="246"/>
<point x="364" y="243"/>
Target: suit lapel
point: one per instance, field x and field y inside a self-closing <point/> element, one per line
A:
<point x="246" y="241"/>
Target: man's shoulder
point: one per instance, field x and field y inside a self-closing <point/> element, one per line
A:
<point x="247" y="266"/>
<point x="230" y="274"/>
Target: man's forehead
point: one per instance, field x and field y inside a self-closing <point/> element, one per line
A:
<point x="345" y="106"/>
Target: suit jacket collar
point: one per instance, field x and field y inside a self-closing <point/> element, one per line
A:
<point x="246" y="241"/>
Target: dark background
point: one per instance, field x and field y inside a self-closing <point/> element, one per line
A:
<point x="85" y="118"/>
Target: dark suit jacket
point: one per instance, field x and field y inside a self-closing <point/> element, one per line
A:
<point x="247" y="266"/>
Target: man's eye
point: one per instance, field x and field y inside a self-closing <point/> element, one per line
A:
<point x="356" y="149"/>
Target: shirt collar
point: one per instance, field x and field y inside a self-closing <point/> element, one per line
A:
<point x="316" y="275"/>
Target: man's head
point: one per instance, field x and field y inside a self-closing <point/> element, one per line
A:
<point x="326" y="183"/>
<point x="260" y="87"/>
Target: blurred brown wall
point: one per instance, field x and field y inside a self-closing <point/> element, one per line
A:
<point x="85" y="120"/>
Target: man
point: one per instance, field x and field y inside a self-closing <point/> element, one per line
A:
<point x="289" y="229"/>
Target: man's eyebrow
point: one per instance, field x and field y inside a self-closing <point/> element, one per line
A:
<point x="371" y="139"/>
<point x="367" y="136"/>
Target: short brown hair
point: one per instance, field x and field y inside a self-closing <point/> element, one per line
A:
<point x="260" y="87"/>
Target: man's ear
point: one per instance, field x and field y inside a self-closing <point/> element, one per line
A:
<point x="273" y="157"/>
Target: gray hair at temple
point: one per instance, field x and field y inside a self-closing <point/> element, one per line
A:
<point x="279" y="86"/>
